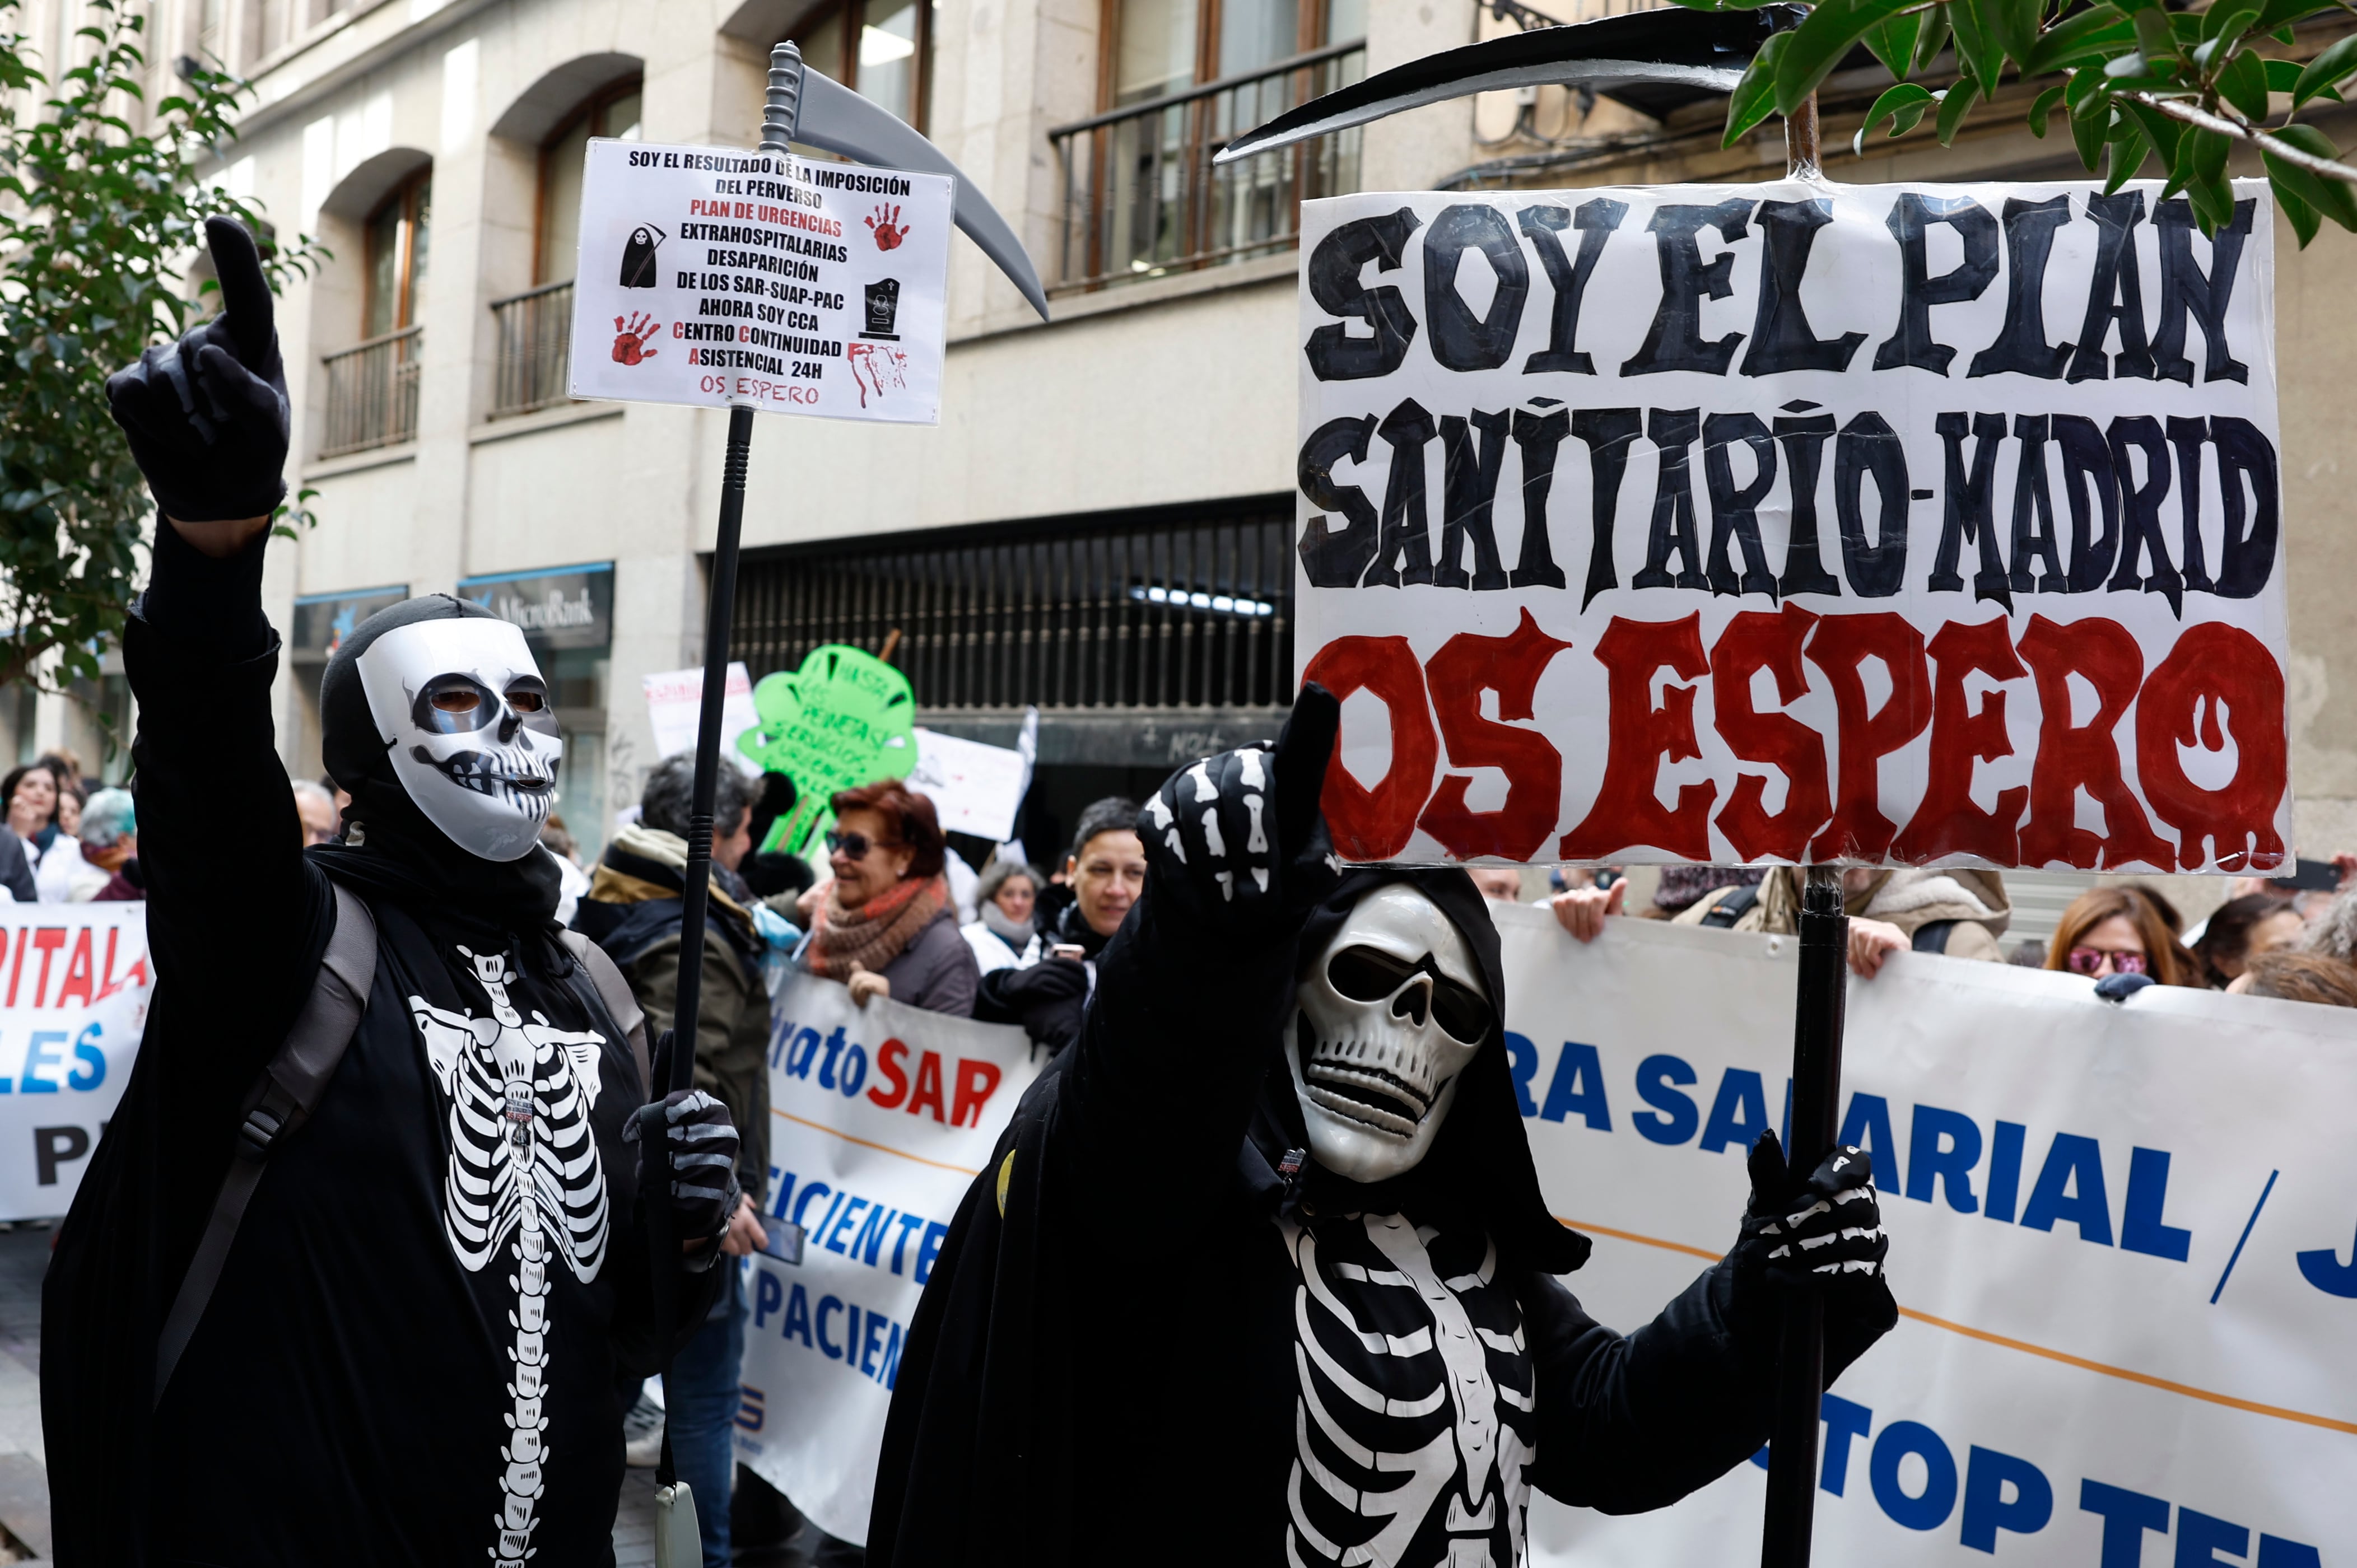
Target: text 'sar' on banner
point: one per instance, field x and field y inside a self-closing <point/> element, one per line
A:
<point x="1796" y="522"/>
<point x="880" y="1117"/>
<point x="74" y="985"/>
<point x="715" y="275"/>
<point x="2120" y="1242"/>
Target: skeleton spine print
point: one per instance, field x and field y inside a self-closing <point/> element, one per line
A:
<point x="524" y="1171"/>
<point x="1413" y="1429"/>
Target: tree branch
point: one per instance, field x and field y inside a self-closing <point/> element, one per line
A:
<point x="2178" y="109"/>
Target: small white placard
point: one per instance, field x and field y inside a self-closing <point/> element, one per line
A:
<point x="976" y="789"/>
<point x="674" y="700"/>
<point x="718" y="276"/>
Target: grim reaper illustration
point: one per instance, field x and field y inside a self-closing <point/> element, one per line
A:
<point x="1267" y="1238"/>
<point x="419" y="1333"/>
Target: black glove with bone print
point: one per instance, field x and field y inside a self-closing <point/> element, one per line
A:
<point x="1822" y="1235"/>
<point x="1237" y="841"/>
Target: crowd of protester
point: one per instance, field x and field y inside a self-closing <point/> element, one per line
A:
<point x="898" y="915"/>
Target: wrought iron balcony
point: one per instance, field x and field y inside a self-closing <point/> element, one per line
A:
<point x="372" y="392"/>
<point x="536" y="331"/>
<point x="1142" y="198"/>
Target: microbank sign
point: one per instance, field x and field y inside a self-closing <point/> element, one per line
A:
<point x="2121" y="1244"/>
<point x="1795" y="522"/>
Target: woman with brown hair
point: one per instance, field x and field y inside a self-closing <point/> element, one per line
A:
<point x="884" y="924"/>
<point x="2119" y="930"/>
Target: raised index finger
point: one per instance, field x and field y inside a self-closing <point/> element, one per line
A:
<point x="245" y="293"/>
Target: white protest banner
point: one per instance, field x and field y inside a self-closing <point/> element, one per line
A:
<point x="975" y="789"/>
<point x="675" y="698"/>
<point x="2120" y="1237"/>
<point x="879" y="1118"/>
<point x="1795" y="522"/>
<point x="73" y="999"/>
<point x="732" y="277"/>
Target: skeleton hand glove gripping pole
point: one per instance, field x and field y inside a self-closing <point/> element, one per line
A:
<point x="1823" y="1234"/>
<point x="206" y="416"/>
<point x="698" y="1147"/>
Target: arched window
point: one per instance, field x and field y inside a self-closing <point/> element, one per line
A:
<point x="882" y="50"/>
<point x="397" y="247"/>
<point x="612" y="111"/>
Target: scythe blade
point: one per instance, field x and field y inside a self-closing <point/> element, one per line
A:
<point x="1693" y="49"/>
<point x="840" y="121"/>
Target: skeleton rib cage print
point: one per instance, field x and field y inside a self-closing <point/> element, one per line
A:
<point x="1414" y="1422"/>
<point x="524" y="1171"/>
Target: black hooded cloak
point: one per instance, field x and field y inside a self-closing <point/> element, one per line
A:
<point x="349" y="1392"/>
<point x="1105" y="1362"/>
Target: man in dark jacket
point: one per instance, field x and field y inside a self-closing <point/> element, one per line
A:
<point x="444" y="1279"/>
<point x="1266" y="1244"/>
<point x="635" y="912"/>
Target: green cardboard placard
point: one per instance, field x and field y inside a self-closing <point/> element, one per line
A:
<point x="844" y="719"/>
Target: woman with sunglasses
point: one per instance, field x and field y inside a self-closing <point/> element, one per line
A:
<point x="2117" y="930"/>
<point x="884" y="924"/>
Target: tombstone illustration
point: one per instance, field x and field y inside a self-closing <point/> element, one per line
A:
<point x="883" y="310"/>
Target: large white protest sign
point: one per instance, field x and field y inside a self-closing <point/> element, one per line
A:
<point x="675" y="699"/>
<point x="1795" y="522"/>
<point x="879" y="1118"/>
<point x="2121" y="1239"/>
<point x="719" y="276"/>
<point x="73" y="999"/>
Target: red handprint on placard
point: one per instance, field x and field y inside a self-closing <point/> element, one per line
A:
<point x="889" y="231"/>
<point x="630" y="335"/>
<point x="877" y="368"/>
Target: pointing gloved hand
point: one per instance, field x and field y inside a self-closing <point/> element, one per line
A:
<point x="206" y="416"/>
<point x="700" y="1144"/>
<point x="1237" y="839"/>
<point x="1823" y="1234"/>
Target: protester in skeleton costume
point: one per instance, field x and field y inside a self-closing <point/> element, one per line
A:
<point x="443" y="1288"/>
<point x="1261" y="1273"/>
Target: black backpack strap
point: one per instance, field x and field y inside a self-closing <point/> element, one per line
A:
<point x="282" y="1099"/>
<point x="1932" y="936"/>
<point x="1737" y="904"/>
<point x="615" y="992"/>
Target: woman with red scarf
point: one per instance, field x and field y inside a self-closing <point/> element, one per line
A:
<point x="884" y="924"/>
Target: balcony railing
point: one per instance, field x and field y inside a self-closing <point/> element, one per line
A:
<point x="1143" y="199"/>
<point x="372" y="393"/>
<point x="535" y="332"/>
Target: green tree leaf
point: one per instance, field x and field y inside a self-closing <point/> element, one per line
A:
<point x="1976" y="50"/>
<point x="2042" y="109"/>
<point x="1830" y="31"/>
<point x="2088" y="36"/>
<point x="1954" y="104"/>
<point x="2090" y="127"/>
<point x="2334" y="199"/>
<point x="2243" y="84"/>
<point x="1754" y="98"/>
<point x="1903" y="105"/>
<point x="1934" y="38"/>
<point x="1893" y="42"/>
<point x="2326" y="72"/>
<point x="2302" y="217"/>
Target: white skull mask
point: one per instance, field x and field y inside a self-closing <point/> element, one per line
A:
<point x="1391" y="1012"/>
<point x="472" y="735"/>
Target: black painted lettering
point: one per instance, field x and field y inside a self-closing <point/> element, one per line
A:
<point x="1910" y="217"/>
<point x="2115" y="293"/>
<point x="2033" y="511"/>
<point x="2021" y="347"/>
<point x="1803" y="440"/>
<point x="2141" y="535"/>
<point x="1335" y="353"/>
<point x="1735" y="509"/>
<point x="1335" y="557"/>
<point x="1539" y="437"/>
<point x="1594" y="220"/>
<point x="2087" y="468"/>
<point x="1674" y="431"/>
<point x="2248" y="558"/>
<point x="1469" y="494"/>
<point x="1461" y="339"/>
<point x="1404" y="553"/>
<point x="2185" y="287"/>
<point x="1608" y="432"/>
<point x="1674" y="342"/>
<point x="1970" y="509"/>
<point x="2189" y="437"/>
<point x="1869" y="449"/>
<point x="1781" y="339"/>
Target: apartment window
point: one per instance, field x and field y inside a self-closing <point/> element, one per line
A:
<point x="396" y="248"/>
<point x="613" y="112"/>
<point x="372" y="386"/>
<point x="882" y="50"/>
<point x="1178" y="79"/>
